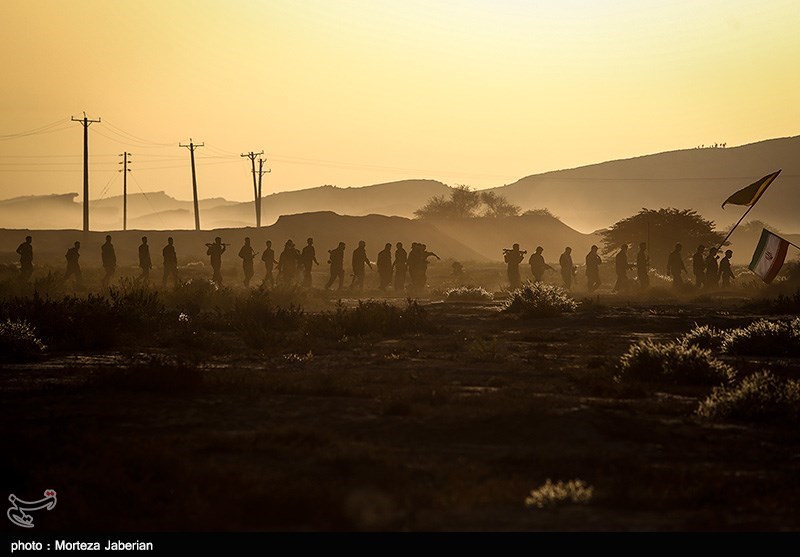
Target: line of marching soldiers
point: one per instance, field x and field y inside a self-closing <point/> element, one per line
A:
<point x="708" y="269"/>
<point x="293" y="266"/>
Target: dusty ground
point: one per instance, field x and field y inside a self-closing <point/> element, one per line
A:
<point x="444" y="431"/>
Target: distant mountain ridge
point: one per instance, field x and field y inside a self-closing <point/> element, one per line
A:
<point x="586" y="198"/>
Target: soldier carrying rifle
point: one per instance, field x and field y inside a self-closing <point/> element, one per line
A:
<point x="215" y="251"/>
<point x="513" y="257"/>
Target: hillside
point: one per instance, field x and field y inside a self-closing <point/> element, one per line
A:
<point x="159" y="211"/>
<point x="586" y="198"/>
<point x="595" y="196"/>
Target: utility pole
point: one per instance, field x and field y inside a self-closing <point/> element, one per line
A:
<point x="261" y="173"/>
<point x="125" y="171"/>
<point x="191" y="148"/>
<point x="252" y="156"/>
<point x="85" y="122"/>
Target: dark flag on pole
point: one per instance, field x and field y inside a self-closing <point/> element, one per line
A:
<point x="752" y="193"/>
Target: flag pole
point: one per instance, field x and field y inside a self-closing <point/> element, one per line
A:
<point x="736" y="225"/>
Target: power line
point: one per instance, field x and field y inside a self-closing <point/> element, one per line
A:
<point x="47" y="128"/>
<point x="252" y="156"/>
<point x="191" y="146"/>
<point x="85" y="122"/>
<point x="124" y="171"/>
<point x="136" y="137"/>
<point x="152" y="208"/>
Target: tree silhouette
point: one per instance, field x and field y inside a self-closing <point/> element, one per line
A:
<point x="664" y="228"/>
<point x="544" y="212"/>
<point x="464" y="202"/>
<point x="498" y="206"/>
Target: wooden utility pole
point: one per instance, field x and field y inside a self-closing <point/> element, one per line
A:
<point x="191" y="148"/>
<point x="125" y="171"/>
<point x="85" y="122"/>
<point x="252" y="156"/>
<point x="261" y="173"/>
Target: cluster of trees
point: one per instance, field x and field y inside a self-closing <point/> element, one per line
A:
<point x="662" y="229"/>
<point x="465" y="202"/>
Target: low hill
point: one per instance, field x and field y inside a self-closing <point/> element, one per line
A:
<point x="596" y="196"/>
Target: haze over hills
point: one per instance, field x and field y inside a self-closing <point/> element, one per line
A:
<point x="159" y="211"/>
<point x="586" y="198"/>
<point x="595" y="196"/>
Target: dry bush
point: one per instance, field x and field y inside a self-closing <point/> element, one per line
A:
<point x="19" y="341"/>
<point x="761" y="397"/>
<point x="538" y="299"/>
<point x="468" y="294"/>
<point x="671" y="363"/>
<point x="764" y="338"/>
<point x="550" y="494"/>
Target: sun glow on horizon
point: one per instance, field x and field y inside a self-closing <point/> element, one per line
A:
<point x="362" y="92"/>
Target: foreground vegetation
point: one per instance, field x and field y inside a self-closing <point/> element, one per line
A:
<point x="206" y="408"/>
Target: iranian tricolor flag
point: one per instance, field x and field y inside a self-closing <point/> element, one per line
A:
<point x="769" y="256"/>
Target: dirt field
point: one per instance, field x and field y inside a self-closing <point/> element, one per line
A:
<point x="444" y="430"/>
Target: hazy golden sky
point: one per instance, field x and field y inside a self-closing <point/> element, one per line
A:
<point x="352" y="93"/>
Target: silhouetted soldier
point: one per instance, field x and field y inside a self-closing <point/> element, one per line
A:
<point x="424" y="255"/>
<point x="567" y="267"/>
<point x="145" y="262"/>
<point x="513" y="257"/>
<point x="415" y="265"/>
<point x="675" y="266"/>
<point x="307" y="257"/>
<point x="288" y="262"/>
<point x="712" y="269"/>
<point x="458" y="271"/>
<point x="247" y="254"/>
<point x="400" y="266"/>
<point x="699" y="266"/>
<point x="268" y="257"/>
<point x="621" y="266"/>
<point x="25" y="251"/>
<point x="643" y="266"/>
<point x="109" y="258"/>
<point x="170" y="263"/>
<point x="725" y="271"/>
<point x="593" y="262"/>
<point x="384" y="265"/>
<point x="336" y="261"/>
<point x="215" y="252"/>
<point x="73" y="267"/>
<point x="538" y="266"/>
<point x="359" y="259"/>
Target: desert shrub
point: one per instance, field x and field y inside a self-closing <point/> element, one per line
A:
<point x="200" y="295"/>
<point x="550" y="494"/>
<point x="69" y="322"/>
<point x="782" y="304"/>
<point x="369" y="317"/>
<point x="468" y="294"/>
<point x="761" y="397"/>
<point x="154" y="375"/>
<point x="19" y="341"/>
<point x="538" y="299"/>
<point x="486" y="350"/>
<point x="283" y="296"/>
<point x="672" y="363"/>
<point x="259" y="322"/>
<point x="136" y="303"/>
<point x="257" y="309"/>
<point x="764" y="338"/>
<point x="703" y="337"/>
